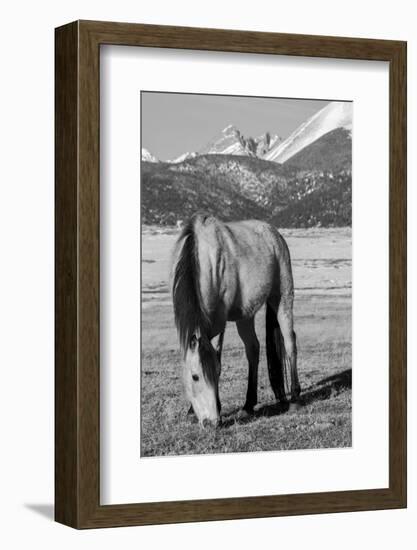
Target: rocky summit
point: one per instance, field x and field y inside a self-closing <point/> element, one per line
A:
<point x="232" y="142"/>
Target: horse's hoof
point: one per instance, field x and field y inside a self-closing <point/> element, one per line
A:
<point x="294" y="406"/>
<point x="243" y="414"/>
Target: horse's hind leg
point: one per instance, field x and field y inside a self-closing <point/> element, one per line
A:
<point x="275" y="353"/>
<point x="246" y="330"/>
<point x="219" y="349"/>
<point x="285" y="321"/>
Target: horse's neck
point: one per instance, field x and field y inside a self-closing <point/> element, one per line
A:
<point x="213" y="283"/>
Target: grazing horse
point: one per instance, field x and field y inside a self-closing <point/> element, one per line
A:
<point x="226" y="272"/>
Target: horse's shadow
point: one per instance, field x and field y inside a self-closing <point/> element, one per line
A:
<point x="321" y="390"/>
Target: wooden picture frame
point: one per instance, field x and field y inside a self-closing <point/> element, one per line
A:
<point x="77" y="373"/>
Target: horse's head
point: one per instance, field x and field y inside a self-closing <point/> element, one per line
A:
<point x="201" y="379"/>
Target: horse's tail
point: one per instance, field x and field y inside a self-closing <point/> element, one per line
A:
<point x="275" y="355"/>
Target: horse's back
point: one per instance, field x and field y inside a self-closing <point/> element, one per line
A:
<point x="252" y="244"/>
<point x="241" y="264"/>
<point x="266" y="249"/>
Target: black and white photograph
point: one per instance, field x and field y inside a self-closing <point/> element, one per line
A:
<point x="208" y="275"/>
<point x="246" y="275"/>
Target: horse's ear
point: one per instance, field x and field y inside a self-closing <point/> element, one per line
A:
<point x="193" y="342"/>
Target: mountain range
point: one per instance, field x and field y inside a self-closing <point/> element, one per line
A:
<point x="302" y="181"/>
<point x="230" y="141"/>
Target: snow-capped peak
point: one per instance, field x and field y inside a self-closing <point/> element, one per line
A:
<point x="148" y="156"/>
<point x="184" y="156"/>
<point x="337" y="114"/>
<point x="229" y="129"/>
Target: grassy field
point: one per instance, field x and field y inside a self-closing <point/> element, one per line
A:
<point x="321" y="260"/>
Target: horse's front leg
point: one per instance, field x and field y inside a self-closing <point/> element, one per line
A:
<point x="219" y="349"/>
<point x="246" y="330"/>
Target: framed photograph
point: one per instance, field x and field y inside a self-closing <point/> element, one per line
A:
<point x="230" y="274"/>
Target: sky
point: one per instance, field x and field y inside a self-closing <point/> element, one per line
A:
<point x="173" y="123"/>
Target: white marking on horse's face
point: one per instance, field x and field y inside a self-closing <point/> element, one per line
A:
<point x="201" y="392"/>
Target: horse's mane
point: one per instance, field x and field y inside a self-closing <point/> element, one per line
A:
<point x="189" y="311"/>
